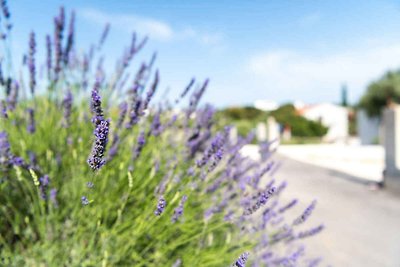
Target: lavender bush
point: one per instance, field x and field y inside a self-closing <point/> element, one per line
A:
<point x="93" y="172"/>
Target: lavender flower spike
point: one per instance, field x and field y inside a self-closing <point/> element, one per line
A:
<point x="96" y="159"/>
<point x="44" y="183"/>
<point x="49" y="56"/>
<point x="31" y="62"/>
<point x="4" y="9"/>
<point x="139" y="146"/>
<point x="311" y="232"/>
<point x="31" y="128"/>
<point x="53" y="196"/>
<point x="307" y="212"/>
<point x="5" y="152"/>
<point x="95" y="103"/>
<point x="13" y="97"/>
<point x="104" y="35"/>
<point x="160" y="206"/>
<point x="3" y="109"/>
<point x="67" y="105"/>
<point x="123" y="109"/>
<point x="59" y="24"/>
<point x="179" y="210"/>
<point x="261" y="201"/>
<point x="70" y="38"/>
<point x="241" y="261"/>
<point x="288" y="206"/>
<point x="151" y="91"/>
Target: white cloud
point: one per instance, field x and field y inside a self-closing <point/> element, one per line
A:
<point x="291" y="72"/>
<point x="156" y="29"/>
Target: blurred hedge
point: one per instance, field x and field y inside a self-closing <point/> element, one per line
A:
<point x="246" y="119"/>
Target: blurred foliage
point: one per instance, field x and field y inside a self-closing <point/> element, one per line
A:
<point x="380" y="92"/>
<point x="119" y="227"/>
<point x="246" y="119"/>
<point x="300" y="126"/>
<point x="244" y="113"/>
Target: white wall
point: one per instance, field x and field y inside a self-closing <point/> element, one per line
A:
<point x="333" y="116"/>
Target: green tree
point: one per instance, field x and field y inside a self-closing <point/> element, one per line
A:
<point x="379" y="93"/>
<point x="300" y="126"/>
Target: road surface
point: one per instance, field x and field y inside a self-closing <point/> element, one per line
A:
<point x="362" y="226"/>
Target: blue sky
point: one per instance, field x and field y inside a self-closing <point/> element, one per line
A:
<point x="275" y="50"/>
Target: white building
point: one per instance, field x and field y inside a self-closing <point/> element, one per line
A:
<point x="332" y="116"/>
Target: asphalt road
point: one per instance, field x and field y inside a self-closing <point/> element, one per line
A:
<point x="362" y="225"/>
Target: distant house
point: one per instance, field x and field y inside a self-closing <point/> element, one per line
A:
<point x="332" y="116"/>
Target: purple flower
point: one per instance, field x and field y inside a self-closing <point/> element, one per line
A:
<point x="259" y="175"/>
<point x="3" y="110"/>
<point x="18" y="161"/>
<point x="31" y="128"/>
<point x="288" y="206"/>
<point x="59" y="24"/>
<point x="84" y="201"/>
<point x="186" y="90"/>
<point x="307" y="212"/>
<point x="284" y="233"/>
<point x="6" y="13"/>
<point x="215" y="146"/>
<point x="96" y="158"/>
<point x="156" y="127"/>
<point x="5" y="151"/>
<point x="134" y="112"/>
<point x="314" y="262"/>
<point x="4" y="9"/>
<point x="150" y="92"/>
<point x="102" y="126"/>
<point x="53" y="196"/>
<point x="95" y="103"/>
<point x="31" y="62"/>
<point x="139" y="146"/>
<point x="48" y="56"/>
<point x="311" y="232"/>
<point x="90" y="184"/>
<point x="70" y="38"/>
<point x="179" y="210"/>
<point x="216" y="159"/>
<point x="241" y="261"/>
<point x="104" y="35"/>
<point x="44" y="183"/>
<point x="160" y="206"/>
<point x="184" y="93"/>
<point x="195" y="98"/>
<point x="281" y="187"/>
<point x="32" y="159"/>
<point x="261" y="201"/>
<point x="13" y="96"/>
<point x="67" y="105"/>
<point x="123" y="108"/>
